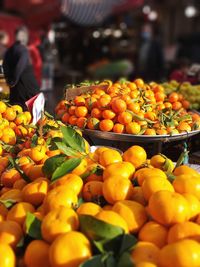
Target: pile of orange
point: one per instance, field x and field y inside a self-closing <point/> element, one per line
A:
<point x="143" y="197"/>
<point x="129" y="107"/>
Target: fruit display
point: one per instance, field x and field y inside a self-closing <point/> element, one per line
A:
<point x="62" y="205"/>
<point x="187" y="90"/>
<point x="127" y="107"/>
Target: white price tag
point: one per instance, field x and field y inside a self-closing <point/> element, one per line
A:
<point x="36" y="107"/>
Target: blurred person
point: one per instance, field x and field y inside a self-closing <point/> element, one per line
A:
<point x="36" y="59"/>
<point x="4" y="39"/>
<point x="18" y="70"/>
<point x="150" y="63"/>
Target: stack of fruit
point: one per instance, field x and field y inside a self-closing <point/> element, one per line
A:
<point x="130" y="107"/>
<point x="187" y="90"/>
<point x="63" y="206"/>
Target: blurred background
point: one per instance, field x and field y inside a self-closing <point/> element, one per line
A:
<point x="74" y="40"/>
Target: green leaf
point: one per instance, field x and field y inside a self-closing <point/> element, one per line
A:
<point x="65" y="168"/>
<point x="20" y="243"/>
<point x="65" y="149"/>
<point x="34" y="140"/>
<point x="125" y="260"/>
<point x="127" y="242"/>
<point x="94" y="261"/>
<point x="8" y="203"/>
<point x="48" y="115"/>
<point x="33" y="226"/>
<point x="73" y="139"/>
<point x="96" y="229"/>
<point x="110" y="261"/>
<point x="51" y="164"/>
<point x="16" y="166"/>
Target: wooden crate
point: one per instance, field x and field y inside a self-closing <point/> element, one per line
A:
<point x="70" y="93"/>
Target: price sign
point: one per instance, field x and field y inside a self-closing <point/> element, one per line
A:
<point x="36" y="106"/>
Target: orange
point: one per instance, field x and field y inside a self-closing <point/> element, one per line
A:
<point x="111" y="191"/>
<point x="136" y="155"/>
<point x="71" y="110"/>
<point x="59" y="221"/>
<point x="37" y="153"/>
<point x="20" y="119"/>
<point x="9" y="114"/>
<point x="19" y="211"/>
<point x="186" y="104"/>
<point x="65" y="118"/>
<point x="59" y="196"/>
<point x="118" y="105"/>
<point x="138" y="195"/>
<point x="133" y="213"/>
<point x="88" y="208"/>
<point x="81" y="122"/>
<point x="93" y="123"/>
<point x="90" y="102"/>
<point x="3" y="212"/>
<point x="173" y="97"/>
<point x="79" y="101"/>
<point x="108" y="114"/>
<point x="184" y="230"/>
<point x="92" y="190"/>
<point x="157" y="161"/>
<point x="35" y="192"/>
<point x="194" y="205"/>
<point x="150" y="132"/>
<point x="187" y="184"/>
<point x="103" y="102"/>
<point x="70" y="181"/>
<point x="109" y="156"/>
<point x="70" y="250"/>
<point x="9" y="177"/>
<point x="184" y="127"/>
<point x="134" y="107"/>
<point x="14" y="194"/>
<point x="10" y="233"/>
<point x="184" y="253"/>
<point x="176" y="105"/>
<point x="184" y="169"/>
<point x="72" y="120"/>
<point x="124" y="169"/>
<point x="19" y="184"/>
<point x="7" y="256"/>
<point x="145" y="251"/>
<point x="159" y="96"/>
<point x="118" y="128"/>
<point x="139" y="82"/>
<point x="81" y="111"/>
<point x="161" y="210"/>
<point x="145" y="264"/>
<point x="34" y="171"/>
<point x="8" y="136"/>
<point x="2" y="107"/>
<point x="124" y="118"/>
<point x="96" y="113"/>
<point x="143" y="173"/>
<point x="153" y="232"/>
<point x="133" y="128"/>
<point x="114" y="218"/>
<point x="37" y="254"/>
<point x="28" y="116"/>
<point x="106" y="125"/>
<point x="81" y="168"/>
<point x="154" y="184"/>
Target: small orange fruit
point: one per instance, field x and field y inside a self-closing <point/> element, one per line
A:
<point x="136" y="155"/>
<point x="112" y="217"/>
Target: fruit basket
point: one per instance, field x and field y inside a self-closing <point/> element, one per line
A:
<point x="139" y="138"/>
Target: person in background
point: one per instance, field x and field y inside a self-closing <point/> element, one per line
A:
<point x="18" y="70"/>
<point x="36" y="59"/>
<point x="150" y="63"/>
<point x="4" y="39"/>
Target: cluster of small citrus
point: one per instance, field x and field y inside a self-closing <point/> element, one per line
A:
<point x="127" y="191"/>
<point x="130" y="107"/>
